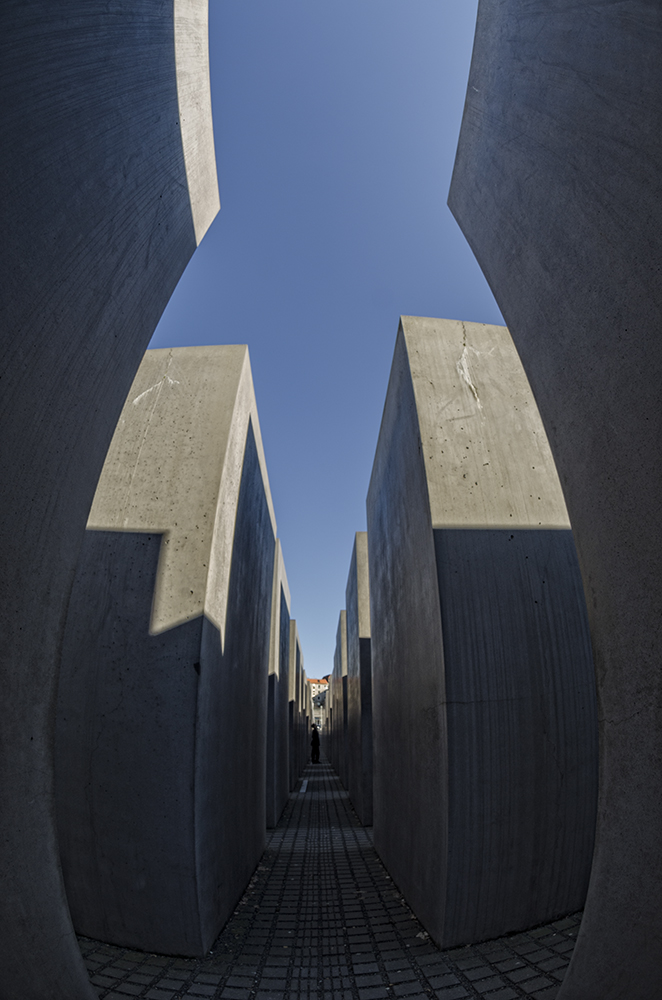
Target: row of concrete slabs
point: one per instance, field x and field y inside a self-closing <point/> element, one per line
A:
<point x="181" y="706"/>
<point x="464" y="720"/>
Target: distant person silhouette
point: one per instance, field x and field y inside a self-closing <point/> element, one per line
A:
<point x="315" y="744"/>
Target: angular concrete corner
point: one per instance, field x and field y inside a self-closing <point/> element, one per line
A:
<point x="484" y="716"/>
<point x="278" y="769"/>
<point x="100" y="217"/>
<point x="162" y="702"/>
<point x="359" y="682"/>
<point x="556" y="187"/>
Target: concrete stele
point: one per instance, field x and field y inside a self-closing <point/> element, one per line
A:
<point x="278" y="695"/>
<point x="359" y="681"/>
<point x="556" y="188"/>
<point x="169" y="720"/>
<point x="184" y="423"/>
<point x="479" y="644"/>
<point x="93" y="247"/>
<point x="280" y="582"/>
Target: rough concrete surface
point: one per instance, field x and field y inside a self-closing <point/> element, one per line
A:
<point x="556" y="186"/>
<point x="278" y="777"/>
<point x="98" y="225"/>
<point x="485" y="742"/>
<point x="160" y="748"/>
<point x="359" y="682"/>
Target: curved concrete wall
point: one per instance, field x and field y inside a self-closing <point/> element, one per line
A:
<point x="98" y="224"/>
<point x="556" y="187"/>
<point x="278" y="780"/>
<point x="484" y="718"/>
<point x="359" y="682"/>
<point x="162" y="713"/>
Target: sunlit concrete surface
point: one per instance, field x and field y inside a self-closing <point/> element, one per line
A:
<point x="556" y="186"/>
<point x="162" y="703"/>
<point x="99" y="221"/>
<point x="484" y="716"/>
<point x="359" y="682"/>
<point x="278" y="753"/>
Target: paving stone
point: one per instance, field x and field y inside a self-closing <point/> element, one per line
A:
<point x="535" y="985"/>
<point x="322" y="920"/>
<point x="488" y="985"/>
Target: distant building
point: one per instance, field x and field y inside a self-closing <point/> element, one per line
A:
<point x="318" y="690"/>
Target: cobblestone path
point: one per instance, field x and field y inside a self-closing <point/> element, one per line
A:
<point x="322" y="919"/>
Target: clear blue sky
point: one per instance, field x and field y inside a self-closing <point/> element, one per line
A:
<point x="336" y="123"/>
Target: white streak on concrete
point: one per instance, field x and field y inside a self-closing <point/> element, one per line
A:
<point x="157" y="385"/>
<point x="462" y="367"/>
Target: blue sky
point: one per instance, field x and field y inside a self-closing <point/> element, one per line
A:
<point x="336" y="123"/>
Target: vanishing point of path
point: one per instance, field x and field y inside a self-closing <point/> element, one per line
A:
<point x="321" y="919"/>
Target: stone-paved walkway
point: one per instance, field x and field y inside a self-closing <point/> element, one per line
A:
<point x="322" y="919"/>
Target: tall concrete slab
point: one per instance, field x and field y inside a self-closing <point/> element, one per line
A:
<point x="484" y="716"/>
<point x="339" y="696"/>
<point x="106" y="192"/>
<point x="297" y="760"/>
<point x="278" y="767"/>
<point x="162" y="701"/>
<point x="556" y="189"/>
<point x="359" y="682"/>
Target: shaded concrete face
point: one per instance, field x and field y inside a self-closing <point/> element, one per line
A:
<point x="359" y="682"/>
<point x="168" y="720"/>
<point x="339" y="736"/>
<point x="98" y="227"/>
<point x="278" y="781"/>
<point x="298" y="751"/>
<point x="483" y="695"/>
<point x="556" y="188"/>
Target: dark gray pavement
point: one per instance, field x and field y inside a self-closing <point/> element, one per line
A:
<point x="322" y="919"/>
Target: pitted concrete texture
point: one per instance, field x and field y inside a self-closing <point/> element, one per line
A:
<point x="322" y="919"/>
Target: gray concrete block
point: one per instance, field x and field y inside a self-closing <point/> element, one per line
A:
<point x="162" y="701"/>
<point x="556" y="186"/>
<point x="484" y="716"/>
<point x="339" y="700"/>
<point x="278" y="776"/>
<point x="359" y="682"/>
<point x="297" y="735"/>
<point x="102" y="204"/>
